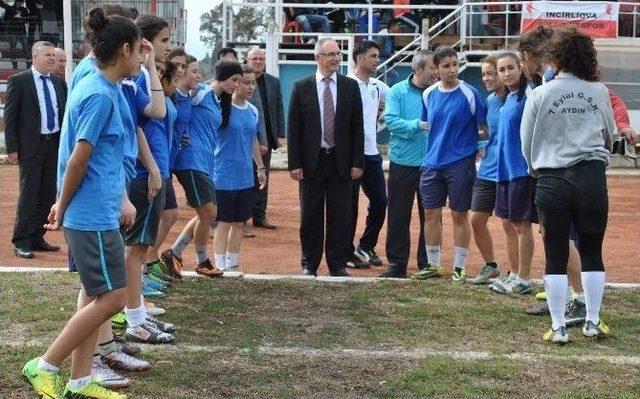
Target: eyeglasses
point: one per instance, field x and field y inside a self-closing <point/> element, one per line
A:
<point x="333" y="54"/>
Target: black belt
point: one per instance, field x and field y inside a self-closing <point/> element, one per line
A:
<point x="50" y="136"/>
<point x="330" y="150"/>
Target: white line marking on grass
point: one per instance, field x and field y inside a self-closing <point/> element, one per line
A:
<point x="397" y="353"/>
<point x="280" y="277"/>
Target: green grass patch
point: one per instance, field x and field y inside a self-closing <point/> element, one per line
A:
<point x="227" y="327"/>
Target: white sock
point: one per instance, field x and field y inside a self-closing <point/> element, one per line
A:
<point x="459" y="257"/>
<point x="181" y="243"/>
<point x="201" y="253"/>
<point x="570" y="295"/>
<point x="44" y="366"/>
<point x="593" y="284"/>
<point x="556" y="287"/>
<point x="80" y="383"/>
<point x="136" y="316"/>
<point x="433" y="255"/>
<point x="221" y="261"/>
<point x="579" y="296"/>
<point x="232" y="259"/>
<point x="521" y="280"/>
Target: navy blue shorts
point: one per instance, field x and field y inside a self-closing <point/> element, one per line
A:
<point x="455" y="181"/>
<point x="484" y="196"/>
<point x="515" y="199"/>
<point x="234" y="205"/>
<point x="170" y="201"/>
<point x="198" y="187"/>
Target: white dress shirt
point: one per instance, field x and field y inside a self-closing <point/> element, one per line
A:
<point x="333" y="86"/>
<point x="372" y="93"/>
<point x="42" y="104"/>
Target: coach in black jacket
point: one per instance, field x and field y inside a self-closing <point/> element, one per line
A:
<point x="326" y="151"/>
<point x="33" y="118"/>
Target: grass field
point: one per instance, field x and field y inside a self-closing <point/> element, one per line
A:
<point x="296" y="339"/>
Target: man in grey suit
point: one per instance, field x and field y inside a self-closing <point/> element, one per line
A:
<point x="268" y="100"/>
<point x="33" y="118"/>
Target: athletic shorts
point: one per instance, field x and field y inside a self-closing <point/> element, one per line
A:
<point x="515" y="199"/>
<point x="484" y="196"/>
<point x="234" y="205"/>
<point x="455" y="182"/>
<point x="170" y="201"/>
<point x="198" y="187"/>
<point x="99" y="257"/>
<point x="148" y="214"/>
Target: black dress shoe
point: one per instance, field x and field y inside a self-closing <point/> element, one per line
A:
<point x="44" y="246"/>
<point x="394" y="271"/>
<point x="263" y="223"/>
<point x="340" y="273"/>
<point x="24" y="253"/>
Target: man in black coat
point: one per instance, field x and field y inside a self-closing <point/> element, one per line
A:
<point x="33" y="118"/>
<point x="268" y="100"/>
<point x="326" y="152"/>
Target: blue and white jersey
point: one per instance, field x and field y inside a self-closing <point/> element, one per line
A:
<point x="489" y="166"/>
<point x="454" y="116"/>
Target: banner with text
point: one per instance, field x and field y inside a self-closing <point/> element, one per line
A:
<point x="596" y="19"/>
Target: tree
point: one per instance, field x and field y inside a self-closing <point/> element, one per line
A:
<point x="249" y="26"/>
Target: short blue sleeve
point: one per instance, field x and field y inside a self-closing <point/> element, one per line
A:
<point x="93" y="115"/>
<point x="481" y="109"/>
<point x="141" y="100"/>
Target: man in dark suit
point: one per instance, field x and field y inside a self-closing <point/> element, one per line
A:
<point x="268" y="100"/>
<point x="33" y="117"/>
<point x="326" y="152"/>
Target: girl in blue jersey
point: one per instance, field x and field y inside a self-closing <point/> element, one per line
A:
<point x="484" y="188"/>
<point x="194" y="163"/>
<point x="236" y="144"/>
<point x="455" y="112"/>
<point x="515" y="188"/>
<point x="174" y="70"/>
<point x="90" y="185"/>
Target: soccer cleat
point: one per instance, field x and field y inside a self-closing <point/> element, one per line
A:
<point x="599" y="331"/>
<point x="158" y="269"/>
<point x="92" y="391"/>
<point x="503" y="286"/>
<point x="121" y="361"/>
<point x="235" y="269"/>
<point x="149" y="292"/>
<point x="154" y="310"/>
<point x="104" y="376"/>
<point x="148" y="333"/>
<point x="541" y="296"/>
<point x="153" y="284"/>
<point x="155" y="279"/>
<point x="428" y="272"/>
<point x="521" y="288"/>
<point x="575" y="313"/>
<point x="173" y="263"/>
<point x="487" y="273"/>
<point x="162" y="326"/>
<point x="459" y="276"/>
<point x="356" y="262"/>
<point x="207" y="269"/>
<point x="119" y="320"/>
<point x="541" y="310"/>
<point x="559" y="336"/>
<point x="126" y="347"/>
<point x="46" y="384"/>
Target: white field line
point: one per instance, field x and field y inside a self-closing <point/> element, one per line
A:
<point x="281" y="277"/>
<point x="394" y="353"/>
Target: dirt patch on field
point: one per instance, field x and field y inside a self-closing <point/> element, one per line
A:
<point x="278" y="251"/>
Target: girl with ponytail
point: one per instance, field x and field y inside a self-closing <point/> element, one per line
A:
<point x="91" y="181"/>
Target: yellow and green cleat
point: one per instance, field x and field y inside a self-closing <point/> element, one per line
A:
<point x="46" y="384"/>
<point x="92" y="391"/>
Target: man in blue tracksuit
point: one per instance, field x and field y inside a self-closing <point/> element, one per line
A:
<point x="407" y="146"/>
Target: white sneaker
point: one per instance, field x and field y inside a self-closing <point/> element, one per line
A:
<point x="121" y="361"/>
<point x="503" y="286"/>
<point x="104" y="376"/>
